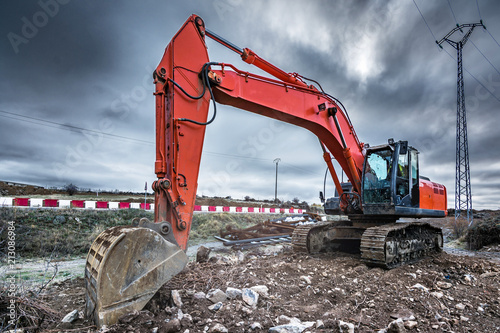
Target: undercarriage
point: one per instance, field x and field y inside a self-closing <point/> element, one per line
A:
<point x="382" y="241"/>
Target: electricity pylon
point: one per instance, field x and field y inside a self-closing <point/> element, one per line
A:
<point x="463" y="194"/>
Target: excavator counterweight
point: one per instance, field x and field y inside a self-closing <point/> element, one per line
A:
<point x="127" y="265"/>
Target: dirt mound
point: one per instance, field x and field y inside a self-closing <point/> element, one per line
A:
<point x="310" y="293"/>
<point x="484" y="232"/>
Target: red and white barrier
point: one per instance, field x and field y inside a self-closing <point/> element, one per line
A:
<point x="89" y="204"/>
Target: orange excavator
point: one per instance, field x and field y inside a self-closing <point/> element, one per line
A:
<point x="127" y="265"/>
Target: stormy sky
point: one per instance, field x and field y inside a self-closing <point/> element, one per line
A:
<point x="76" y="103"/>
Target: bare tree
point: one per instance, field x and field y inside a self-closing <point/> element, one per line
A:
<point x="71" y="189"/>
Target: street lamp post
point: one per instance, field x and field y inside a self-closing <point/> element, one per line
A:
<point x="276" y="160"/>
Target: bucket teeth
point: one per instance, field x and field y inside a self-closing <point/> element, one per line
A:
<point x="124" y="269"/>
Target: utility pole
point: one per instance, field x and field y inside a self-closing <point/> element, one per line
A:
<point x="276" y="160"/>
<point x="463" y="194"/>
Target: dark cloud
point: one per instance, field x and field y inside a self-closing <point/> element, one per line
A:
<point x="90" y="64"/>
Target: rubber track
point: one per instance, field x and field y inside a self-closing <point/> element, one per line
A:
<point x="302" y="233"/>
<point x="373" y="243"/>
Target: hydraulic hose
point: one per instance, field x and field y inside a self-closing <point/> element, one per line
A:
<point x="206" y="83"/>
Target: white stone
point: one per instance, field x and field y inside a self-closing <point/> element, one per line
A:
<point x="437" y="294"/>
<point x="463" y="318"/>
<point x="176" y="298"/>
<point x="460" y="306"/>
<point x="396" y="326"/>
<point x="262" y="290"/>
<point x="444" y="285"/>
<point x="216" y="295"/>
<point x="215" y="307"/>
<point x="256" y="326"/>
<point x="199" y="295"/>
<point x="250" y="297"/>
<point x="420" y="286"/>
<point x="346" y="327"/>
<point x="70" y="317"/>
<point x="306" y="279"/>
<point x="233" y="293"/>
<point x="218" y="328"/>
<point x="410" y="324"/>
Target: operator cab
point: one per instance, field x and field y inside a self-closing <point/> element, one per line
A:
<point x="390" y="182"/>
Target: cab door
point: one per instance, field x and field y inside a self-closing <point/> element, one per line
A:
<point x="406" y="178"/>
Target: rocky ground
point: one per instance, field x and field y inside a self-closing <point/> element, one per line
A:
<point x="276" y="290"/>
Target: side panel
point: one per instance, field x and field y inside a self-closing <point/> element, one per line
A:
<point x="432" y="196"/>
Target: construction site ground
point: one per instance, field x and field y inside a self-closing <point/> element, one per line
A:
<point x="454" y="291"/>
<point x="445" y="293"/>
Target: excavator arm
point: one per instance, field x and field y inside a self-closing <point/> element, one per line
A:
<point x="127" y="265"/>
<point x="186" y="81"/>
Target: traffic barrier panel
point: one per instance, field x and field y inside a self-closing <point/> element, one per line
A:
<point x="78" y="203"/>
<point x="124" y="205"/>
<point x="145" y="206"/>
<point x="239" y="210"/>
<point x="135" y="205"/>
<point x="6" y="201"/>
<point x="197" y="208"/>
<point x="113" y="205"/>
<point x="36" y="202"/>
<point x="101" y="204"/>
<point x="225" y="209"/>
<point x="51" y="203"/>
<point x="90" y="204"/>
<point x="64" y="203"/>
<point x="22" y="202"/>
<point x="250" y="209"/>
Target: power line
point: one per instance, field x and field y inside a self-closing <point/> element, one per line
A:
<point x="489" y="33"/>
<point x="423" y="18"/>
<point x="259" y="159"/>
<point x="477" y="48"/>
<point x="482" y="85"/>
<point x="452" y="12"/>
<point x="76" y="129"/>
<point x="478" y="11"/>
<point x="66" y="126"/>
<point x="485" y="58"/>
<point x="433" y="36"/>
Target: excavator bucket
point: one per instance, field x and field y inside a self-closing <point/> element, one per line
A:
<point x="125" y="267"/>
